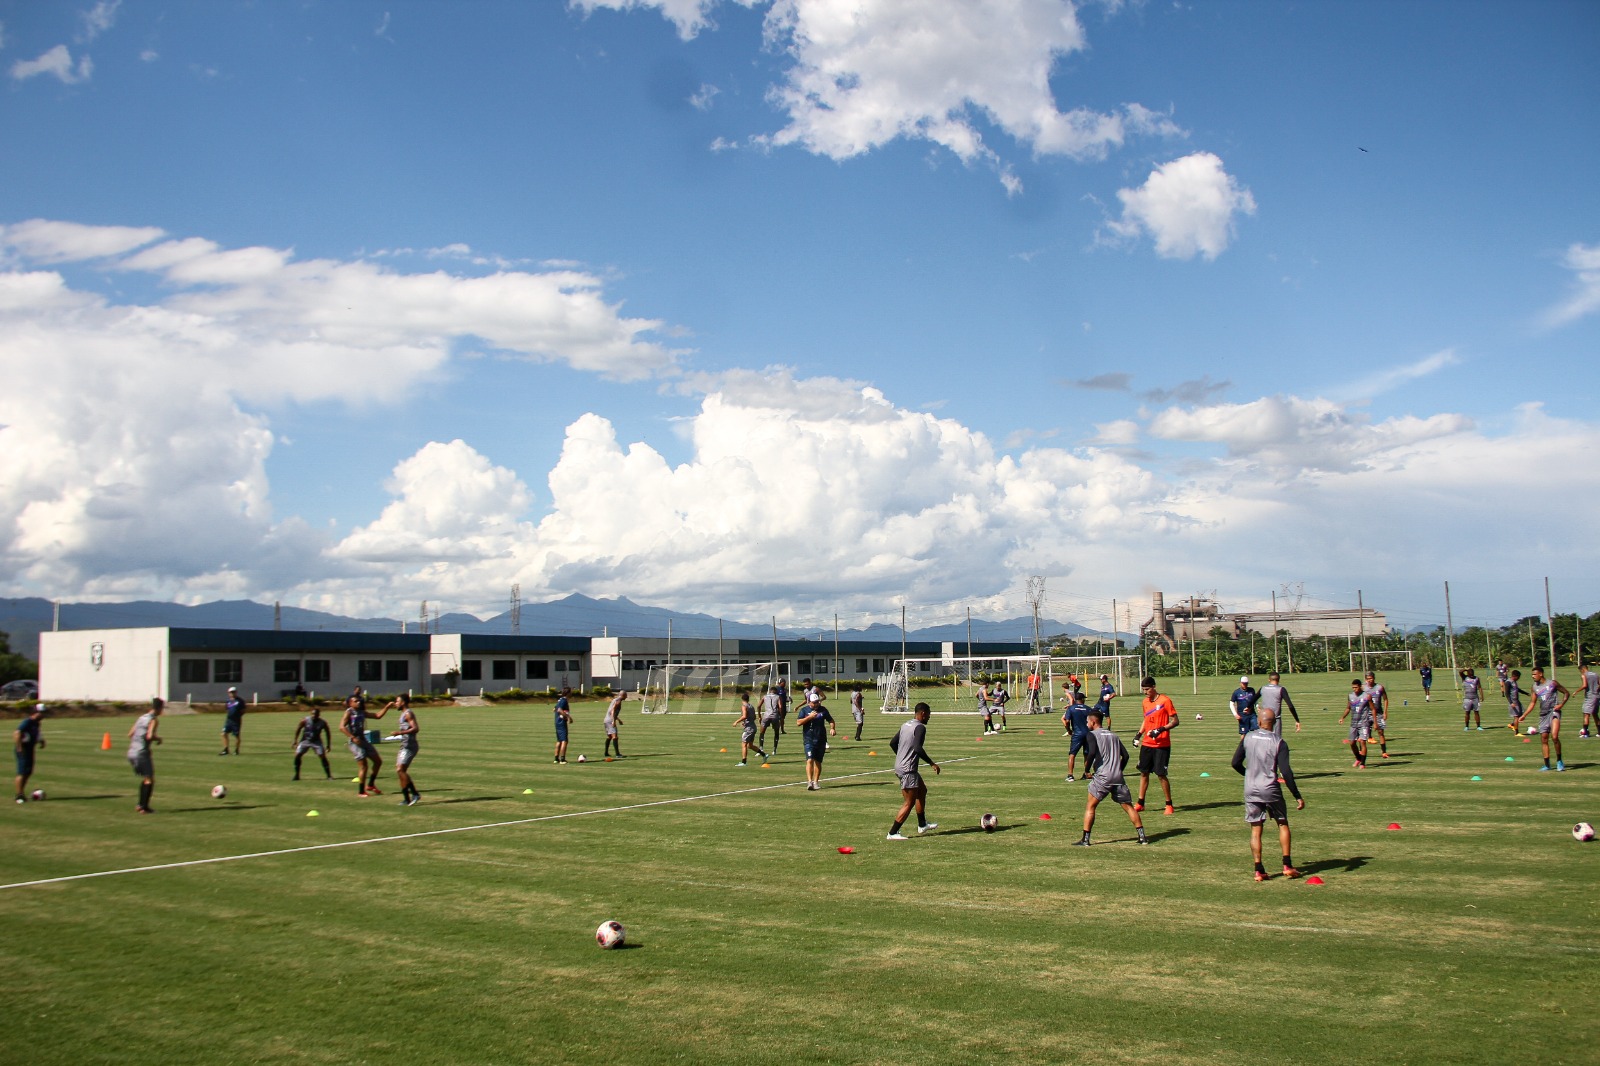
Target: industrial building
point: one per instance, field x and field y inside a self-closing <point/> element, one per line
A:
<point x="1168" y="626"/>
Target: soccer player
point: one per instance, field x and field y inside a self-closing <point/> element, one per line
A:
<point x="909" y="754"/>
<point x="1267" y="757"/>
<point x="406" y="733"/>
<point x="1111" y="757"/>
<point x="1544" y="698"/>
<point x="1359" y="711"/>
<point x="1425" y="671"/>
<point x="312" y="734"/>
<point x="233" y="718"/>
<point x="1034" y="681"/>
<point x="771" y="716"/>
<point x="1501" y="673"/>
<point x="563" y="720"/>
<point x="1380" y="711"/>
<point x="858" y="710"/>
<point x="815" y="724"/>
<point x="353" y="724"/>
<point x="1155" y="748"/>
<point x="614" y="715"/>
<point x="747" y="729"/>
<point x="783" y="709"/>
<point x="1512" y="688"/>
<point x="983" y="709"/>
<point x="1243" y="705"/>
<point x="25" y="738"/>
<point x="1274" y="697"/>
<point x="1471" y="700"/>
<point x="1077" y="722"/>
<point x="141" y="738"/>
<point x="1108" y="692"/>
<point x="1589" y="685"/>
<point x="1000" y="697"/>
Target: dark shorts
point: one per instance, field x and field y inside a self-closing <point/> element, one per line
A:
<point x="1257" y="813"/>
<point x="142" y="764"/>
<point x="1119" y="792"/>
<point x="1248" y="723"/>
<point x="816" y="749"/>
<point x="24" y="762"/>
<point x="1080" y="742"/>
<point x="1154" y="760"/>
<point x="231" y="725"/>
<point x="561" y="732"/>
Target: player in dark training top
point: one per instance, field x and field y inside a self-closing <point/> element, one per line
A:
<point x="312" y="734"/>
<point x="27" y="737"/>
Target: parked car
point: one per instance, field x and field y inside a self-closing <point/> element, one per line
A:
<point x="19" y="690"/>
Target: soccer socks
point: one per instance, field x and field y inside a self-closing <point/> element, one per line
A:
<point x="1083" y="841"/>
<point x="145" y="788"/>
<point x="1142" y="838"/>
<point x="894" y="829"/>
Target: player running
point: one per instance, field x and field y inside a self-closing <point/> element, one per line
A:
<point x="1380" y="711"/>
<point x="1471" y="700"/>
<point x="141" y="738"/>
<point x="747" y="730"/>
<point x="233" y="721"/>
<point x="909" y="754"/>
<point x="1243" y="705"/>
<point x="1262" y="759"/>
<point x="1108" y="692"/>
<point x="1359" y="711"/>
<point x="771" y="717"/>
<point x="406" y="734"/>
<point x="24" y="739"/>
<point x="1274" y="697"/>
<point x="1544" y="698"/>
<point x="312" y="734"/>
<point x="815" y="724"/>
<point x="1425" y="671"/>
<point x="1155" y="737"/>
<point x="1077" y="722"/>
<point x="1111" y="757"/>
<point x="1589" y="685"/>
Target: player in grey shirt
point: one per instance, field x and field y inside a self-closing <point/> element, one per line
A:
<point x="908" y="755"/>
<point x="771" y="716"/>
<point x="1589" y="685"/>
<point x="1261" y="758"/>
<point x="1471" y="700"/>
<point x="1111" y="756"/>
<point x="1274" y="697"/>
<point x="141" y="738"/>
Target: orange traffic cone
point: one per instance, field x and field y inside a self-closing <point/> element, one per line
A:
<point x="105" y="742"/>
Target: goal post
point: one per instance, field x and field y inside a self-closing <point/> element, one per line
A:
<point x="1055" y="671"/>
<point x="948" y="685"/>
<point x="708" y="688"/>
<point x="1380" y="660"/>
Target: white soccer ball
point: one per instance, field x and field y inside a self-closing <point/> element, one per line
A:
<point x="219" y="791"/>
<point x="582" y="758"/>
<point x="1532" y="729"/>
<point x="38" y="794"/>
<point x="1583" y="832"/>
<point x="610" y="935"/>
<point x="1199" y="717"/>
<point x="989" y="822"/>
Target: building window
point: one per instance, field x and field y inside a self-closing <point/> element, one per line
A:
<point x="539" y="669"/>
<point x="319" y="670"/>
<point x="472" y="669"/>
<point x="285" y="671"/>
<point x="503" y="669"/>
<point x="397" y="670"/>
<point x="193" y="671"/>
<point x="369" y="670"/>
<point x="227" y="671"/>
<point x="861" y="666"/>
<point x="803" y="666"/>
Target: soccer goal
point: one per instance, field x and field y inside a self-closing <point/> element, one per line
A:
<point x="1361" y="661"/>
<point x="947" y="685"/>
<point x="702" y="688"/>
<point x="1054" y="674"/>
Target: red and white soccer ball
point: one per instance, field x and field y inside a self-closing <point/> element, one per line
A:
<point x="1199" y="717"/>
<point x="1583" y="832"/>
<point x="38" y="794"/>
<point x="610" y="935"/>
<point x="583" y="758"/>
<point x="219" y="792"/>
<point x="989" y="822"/>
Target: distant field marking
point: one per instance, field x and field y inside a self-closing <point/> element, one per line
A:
<point x="442" y="832"/>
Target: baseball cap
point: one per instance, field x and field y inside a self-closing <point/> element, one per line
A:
<point x="232" y="689"/>
<point x="1244" y="681"/>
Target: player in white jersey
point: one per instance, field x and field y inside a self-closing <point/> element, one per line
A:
<point x="1589" y="685"/>
<point x="141" y="738"/>
<point x="1549" y="696"/>
<point x="612" y="718"/>
<point x="858" y="709"/>
<point x="1379" y="697"/>
<point x="1471" y="700"/>
<point x="1359" y="712"/>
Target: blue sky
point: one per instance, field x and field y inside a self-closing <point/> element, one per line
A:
<point x="800" y="306"/>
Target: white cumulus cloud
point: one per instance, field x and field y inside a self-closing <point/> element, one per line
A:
<point x="1584" y="262"/>
<point x="57" y="62"/>
<point x="1188" y="207"/>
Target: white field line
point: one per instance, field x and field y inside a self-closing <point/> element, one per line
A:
<point x="442" y="832"/>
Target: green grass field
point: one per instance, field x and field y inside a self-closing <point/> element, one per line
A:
<point x="1467" y="936"/>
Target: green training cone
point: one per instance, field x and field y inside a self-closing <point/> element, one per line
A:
<point x="1475" y="777"/>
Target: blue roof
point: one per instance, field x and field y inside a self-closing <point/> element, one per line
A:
<point x="276" y="640"/>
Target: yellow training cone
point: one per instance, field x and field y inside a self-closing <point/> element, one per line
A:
<point x="312" y="814"/>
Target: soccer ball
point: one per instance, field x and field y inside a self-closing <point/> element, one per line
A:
<point x="38" y="794"/>
<point x="1199" y="717"/>
<point x="1532" y="729"/>
<point x="989" y="822"/>
<point x="1583" y="832"/>
<point x="219" y="791"/>
<point x="583" y="758"/>
<point x="610" y="935"/>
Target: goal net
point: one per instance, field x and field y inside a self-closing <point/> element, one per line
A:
<point x="701" y="688"/>
<point x="946" y="685"/>
<point x="1361" y="661"/>
<point x="1054" y="674"/>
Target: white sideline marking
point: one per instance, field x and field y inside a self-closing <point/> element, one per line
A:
<point x="442" y="832"/>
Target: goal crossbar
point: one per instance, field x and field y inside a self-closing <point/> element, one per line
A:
<point x="708" y="688"/>
<point x="1359" y="659"/>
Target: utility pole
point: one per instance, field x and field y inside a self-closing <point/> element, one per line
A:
<point x="1550" y="624"/>
<point x="1450" y="638"/>
<point x="277" y="616"/>
<point x="1361" y="619"/>
<point x="1035" y="595"/>
<point x="1194" y="664"/>
<point x="1274" y="630"/>
<point x="516" y="608"/>
<point x="422" y="618"/>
